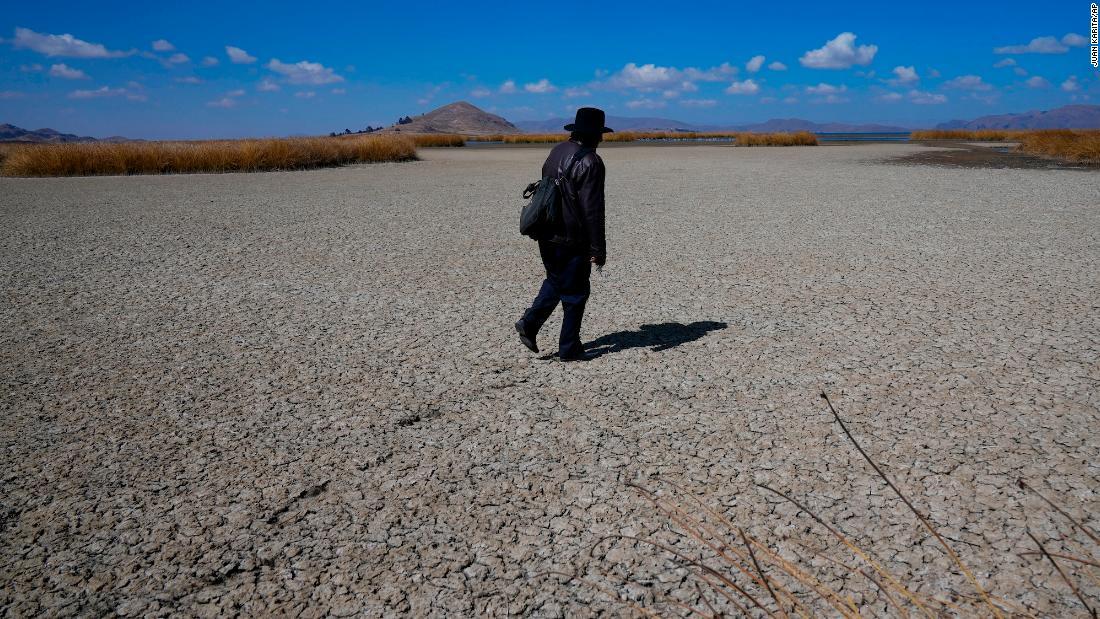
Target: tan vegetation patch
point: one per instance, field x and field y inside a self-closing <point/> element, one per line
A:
<point x="425" y="140"/>
<point x="989" y="135"/>
<point x="1074" y="145"/>
<point x="90" y="159"/>
<point x="1079" y="145"/>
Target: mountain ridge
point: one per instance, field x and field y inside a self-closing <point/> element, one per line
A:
<point x="627" y="123"/>
<point x="1065" y="117"/>
<point x="11" y="133"/>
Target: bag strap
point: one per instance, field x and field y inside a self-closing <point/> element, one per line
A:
<point x="582" y="151"/>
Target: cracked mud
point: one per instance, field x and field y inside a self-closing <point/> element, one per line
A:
<point x="301" y="393"/>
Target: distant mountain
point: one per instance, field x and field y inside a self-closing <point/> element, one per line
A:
<point x="1066" y="117"/>
<point x="618" y="123"/>
<point x="460" y="117"/>
<point x="11" y="133"/>
<point x="627" y="123"/>
<point x="798" y="124"/>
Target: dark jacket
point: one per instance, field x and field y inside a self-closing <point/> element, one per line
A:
<point x="583" y="203"/>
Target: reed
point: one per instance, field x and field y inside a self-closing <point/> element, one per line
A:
<point x="521" y="138"/>
<point x="432" y="140"/>
<point x="1082" y="146"/>
<point x="91" y="159"/>
<point x="798" y="138"/>
<point x="7" y="148"/>
<point x="987" y="135"/>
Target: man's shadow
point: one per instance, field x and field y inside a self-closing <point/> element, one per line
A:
<point x="655" y="337"/>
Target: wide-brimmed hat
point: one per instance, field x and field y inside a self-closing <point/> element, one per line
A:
<point x="589" y="120"/>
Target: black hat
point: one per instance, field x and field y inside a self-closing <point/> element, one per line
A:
<point x="589" y="120"/>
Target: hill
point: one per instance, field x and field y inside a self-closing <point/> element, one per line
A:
<point x="459" y="117"/>
<point x="11" y="133"/>
<point x="627" y="123"/>
<point x="1066" y="117"/>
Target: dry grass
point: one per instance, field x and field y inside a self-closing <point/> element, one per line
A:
<point x="802" y="138"/>
<point x="1080" y="145"/>
<point x="985" y="135"/>
<point x="90" y="159"/>
<point x="427" y="140"/>
<point x="1074" y="145"/>
<point x="7" y="148"/>
<point x="735" y="573"/>
<point x="520" y="138"/>
<point x="799" y="138"/>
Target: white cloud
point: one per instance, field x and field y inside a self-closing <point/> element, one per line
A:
<point x="790" y="100"/>
<point x="106" y="91"/>
<point x="178" y="58"/>
<point x="889" y="97"/>
<point x="1019" y="71"/>
<point x="826" y="89"/>
<point x="839" y="53"/>
<point x="746" y="87"/>
<point x="540" y="87"/>
<point x="1039" y="45"/>
<point x="238" y="55"/>
<point x="926" y="98"/>
<point x="267" y="85"/>
<point x="10" y="94"/>
<point x="61" y="45"/>
<point x="339" y="91"/>
<point x="1007" y="62"/>
<point x="508" y="87"/>
<point x="777" y="66"/>
<point x="905" y="75"/>
<point x="162" y="45"/>
<point x="1038" y="82"/>
<point x="653" y="78"/>
<point x="235" y="93"/>
<point x="1071" y="85"/>
<point x="305" y="72"/>
<point x="305" y="94"/>
<point x="643" y="103"/>
<point x="670" y="94"/>
<point x="968" y="82"/>
<point x="480" y="92"/>
<point x="224" y="102"/>
<point x="571" y="93"/>
<point x="64" y="71"/>
<point x="714" y="74"/>
<point x="191" y="79"/>
<point x="209" y="61"/>
<point x="933" y="73"/>
<point x="754" y="64"/>
<point x="31" y="68"/>
<point x="698" y="102"/>
<point x="1073" y="39"/>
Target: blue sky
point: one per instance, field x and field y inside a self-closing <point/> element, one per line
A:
<point x="212" y="69"/>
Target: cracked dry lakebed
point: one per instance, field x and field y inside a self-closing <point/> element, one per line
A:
<point x="301" y="393"/>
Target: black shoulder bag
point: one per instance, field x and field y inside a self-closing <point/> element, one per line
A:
<point x="541" y="216"/>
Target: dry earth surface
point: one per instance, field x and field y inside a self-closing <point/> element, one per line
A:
<point x="301" y="393"/>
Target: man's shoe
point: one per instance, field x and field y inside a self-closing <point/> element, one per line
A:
<point x="527" y="340"/>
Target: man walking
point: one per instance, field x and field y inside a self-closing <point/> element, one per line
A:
<point x="569" y="252"/>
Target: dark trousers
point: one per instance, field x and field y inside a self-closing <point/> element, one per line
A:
<point x="567" y="273"/>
